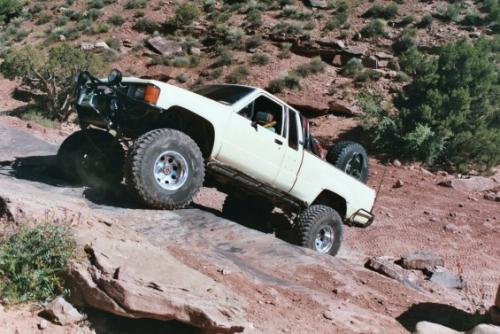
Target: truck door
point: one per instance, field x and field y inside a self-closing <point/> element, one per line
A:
<point x="293" y="153"/>
<point x="253" y="142"/>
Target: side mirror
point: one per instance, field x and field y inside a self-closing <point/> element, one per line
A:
<point x="114" y="77"/>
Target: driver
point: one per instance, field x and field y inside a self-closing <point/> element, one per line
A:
<point x="266" y="120"/>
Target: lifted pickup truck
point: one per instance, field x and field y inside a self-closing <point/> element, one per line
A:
<point x="169" y="142"/>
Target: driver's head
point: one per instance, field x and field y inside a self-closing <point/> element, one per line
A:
<point x="263" y="117"/>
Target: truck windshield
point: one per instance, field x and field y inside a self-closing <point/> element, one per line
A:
<point x="226" y="94"/>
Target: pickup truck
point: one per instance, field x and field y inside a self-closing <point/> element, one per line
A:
<point x="168" y="142"/>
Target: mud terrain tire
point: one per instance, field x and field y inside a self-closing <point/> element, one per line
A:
<point x="319" y="227"/>
<point x="351" y="158"/>
<point x="248" y="211"/>
<point x="92" y="157"/>
<point x="165" y="169"/>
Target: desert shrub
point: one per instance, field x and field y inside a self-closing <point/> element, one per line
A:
<point x="225" y="57"/>
<point x="293" y="12"/>
<point x="253" y="42"/>
<point x="383" y="12"/>
<point x="147" y="25"/>
<point x="472" y="18"/>
<point x="374" y="28"/>
<point x="116" y="20"/>
<point x="352" y="67"/>
<point x="401" y="77"/>
<point x="10" y="9"/>
<point x="451" y="13"/>
<point x="182" y="78"/>
<point x="367" y="75"/>
<point x="44" y="18"/>
<point x="405" y="41"/>
<point x="291" y="81"/>
<point x="61" y="21"/>
<point x="185" y="14"/>
<point x="100" y="28"/>
<point x="446" y="115"/>
<point x="114" y="43"/>
<point x="136" y="4"/>
<point x="254" y="18"/>
<point x="286" y="29"/>
<point x="51" y="74"/>
<point x="316" y="65"/>
<point x="276" y="86"/>
<point x="92" y="14"/>
<point x="36" y="8"/>
<point x="260" y="59"/>
<point x="285" y="52"/>
<point x="407" y="20"/>
<point x="338" y="20"/>
<point x="425" y="21"/>
<point x="237" y="75"/>
<point x="32" y="261"/>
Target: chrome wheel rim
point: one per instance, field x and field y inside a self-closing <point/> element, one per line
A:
<point x="355" y="166"/>
<point x="324" y="239"/>
<point x="170" y="170"/>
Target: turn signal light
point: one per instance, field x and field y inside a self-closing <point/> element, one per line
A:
<point x="151" y="94"/>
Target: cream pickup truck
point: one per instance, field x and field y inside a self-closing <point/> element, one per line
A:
<point x="168" y="142"/>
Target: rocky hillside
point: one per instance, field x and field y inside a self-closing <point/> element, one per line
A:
<point x="268" y="43"/>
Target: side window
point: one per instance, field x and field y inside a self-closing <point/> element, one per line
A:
<point x="247" y="112"/>
<point x="268" y="114"/>
<point x="293" y="135"/>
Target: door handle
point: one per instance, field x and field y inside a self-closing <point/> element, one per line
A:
<point x="277" y="141"/>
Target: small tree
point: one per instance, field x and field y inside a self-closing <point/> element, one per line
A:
<point x="9" y="9"/>
<point x="50" y="74"/>
<point x="450" y="112"/>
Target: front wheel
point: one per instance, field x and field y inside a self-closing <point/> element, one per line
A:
<point x="165" y="169"/>
<point x="93" y="157"/>
<point x="319" y="227"/>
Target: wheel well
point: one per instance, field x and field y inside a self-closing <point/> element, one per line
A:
<point x="332" y="200"/>
<point x="195" y="126"/>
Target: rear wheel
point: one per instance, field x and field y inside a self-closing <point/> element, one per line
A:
<point x="165" y="169"/>
<point x="351" y="158"/>
<point x="93" y="157"/>
<point x="319" y="227"/>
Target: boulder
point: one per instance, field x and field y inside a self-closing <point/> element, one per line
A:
<point x="385" y="265"/>
<point x="138" y="280"/>
<point x="86" y="46"/>
<point x="62" y="312"/>
<point x="101" y="45"/>
<point x="342" y="108"/>
<point x="370" y="62"/>
<point x="446" y="279"/>
<point x="165" y="47"/>
<point x="472" y="184"/>
<point x="317" y="3"/>
<point x="484" y="329"/>
<point x="383" y="56"/>
<point x="492" y="196"/>
<point x="425" y="327"/>
<point x="497" y="299"/>
<point x="421" y="260"/>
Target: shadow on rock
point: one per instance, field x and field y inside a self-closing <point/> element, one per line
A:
<point x="107" y="323"/>
<point x="34" y="168"/>
<point x="445" y="315"/>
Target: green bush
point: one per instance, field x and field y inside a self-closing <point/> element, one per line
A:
<point x="353" y="67"/>
<point x="51" y="74"/>
<point x="237" y="75"/>
<point x="254" y="18"/>
<point x="451" y="13"/>
<point x="32" y="260"/>
<point x="10" y="9"/>
<point x="405" y="41"/>
<point x="383" y="12"/>
<point x="276" y="86"/>
<point x="136" y="4"/>
<point x="260" y="59"/>
<point x="147" y="25"/>
<point x="116" y="20"/>
<point x="449" y="113"/>
<point x="374" y="28"/>
<point x="185" y="14"/>
<point x="285" y="52"/>
<point x="425" y="21"/>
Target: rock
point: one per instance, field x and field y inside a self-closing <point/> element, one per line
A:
<point x="425" y="327"/>
<point x="85" y="46"/>
<point x="371" y="62"/>
<point x="102" y="45"/>
<point x="421" y="260"/>
<point x="398" y="184"/>
<point x="475" y="34"/>
<point x="42" y="324"/>
<point x="473" y="184"/>
<point x="492" y="196"/>
<point x="497" y="299"/>
<point x="165" y="47"/>
<point x="138" y="280"/>
<point x="318" y="3"/>
<point x="385" y="265"/>
<point x="328" y="315"/>
<point x="340" y="43"/>
<point x="447" y="279"/>
<point x="62" y="312"/>
<point x="337" y="60"/>
<point x="195" y="51"/>
<point x="397" y="163"/>
<point x="342" y="108"/>
<point x="127" y="43"/>
<point x="484" y="329"/>
<point x="393" y="64"/>
<point x="425" y="171"/>
<point x="357" y="50"/>
<point x="451" y="228"/>
<point x="383" y="56"/>
<point x="383" y="64"/>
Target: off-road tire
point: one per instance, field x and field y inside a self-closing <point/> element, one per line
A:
<point x="343" y="152"/>
<point x="92" y="157"/>
<point x="139" y="168"/>
<point x="312" y="220"/>
<point x="249" y="211"/>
